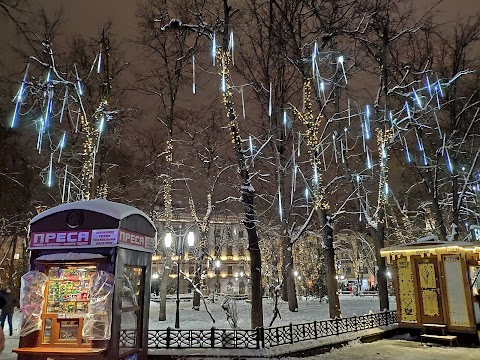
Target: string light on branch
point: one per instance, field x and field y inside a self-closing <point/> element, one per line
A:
<point x="383" y="139"/>
<point x="312" y="125"/>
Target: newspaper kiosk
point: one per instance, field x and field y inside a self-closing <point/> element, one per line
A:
<point x="84" y="296"/>
<point x="437" y="284"/>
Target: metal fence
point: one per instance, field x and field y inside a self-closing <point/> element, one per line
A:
<point x="259" y="337"/>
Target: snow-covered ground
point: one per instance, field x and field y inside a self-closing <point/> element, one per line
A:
<point x="308" y="310"/>
<point x="397" y="350"/>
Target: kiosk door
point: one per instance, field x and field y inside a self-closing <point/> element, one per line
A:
<point x="429" y="285"/>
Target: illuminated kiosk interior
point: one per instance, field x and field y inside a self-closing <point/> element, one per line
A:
<point x="436" y="284"/>
<point x="85" y="292"/>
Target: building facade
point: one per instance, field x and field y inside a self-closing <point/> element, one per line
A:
<point x="221" y="262"/>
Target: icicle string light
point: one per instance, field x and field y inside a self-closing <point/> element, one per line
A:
<point x="64" y="183"/>
<point x="231" y="47"/>
<point x="193" y="74"/>
<point x="270" y="101"/>
<point x="79" y="86"/>
<point x="314" y="59"/>
<point x="427" y="84"/>
<point x="417" y="98"/>
<point x="99" y="63"/>
<point x="19" y="99"/>
<point x="449" y="162"/>
<point x="61" y="145"/>
<point x="64" y="103"/>
<point x="280" y="208"/>
<point x="50" y="171"/>
<point x="243" y="103"/>
<point x="214" y="48"/>
<point x="340" y="61"/>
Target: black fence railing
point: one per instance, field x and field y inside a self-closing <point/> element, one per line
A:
<point x="259" y="337"/>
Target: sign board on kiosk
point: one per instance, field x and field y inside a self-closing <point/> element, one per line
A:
<point x="90" y="261"/>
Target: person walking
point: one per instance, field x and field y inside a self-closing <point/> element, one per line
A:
<point x="7" y="310"/>
<point x="2" y="340"/>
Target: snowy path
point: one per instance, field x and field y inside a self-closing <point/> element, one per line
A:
<point x="397" y="350"/>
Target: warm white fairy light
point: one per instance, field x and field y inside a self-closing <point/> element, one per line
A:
<point x="312" y="124"/>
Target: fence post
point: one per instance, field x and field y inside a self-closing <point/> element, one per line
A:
<point x="291" y="333"/>
<point x="315" y="329"/>
<point x="258" y="336"/>
<point x="262" y="329"/>
<point x="212" y="337"/>
<point x="168" y="337"/>
<point x="336" y="326"/>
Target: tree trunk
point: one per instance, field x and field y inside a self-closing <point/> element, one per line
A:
<point x="292" y="294"/>
<point x="284" y="270"/>
<point x="329" y="259"/>
<point x="382" y="269"/>
<point x="431" y="187"/>
<point x="162" y="315"/>
<point x="12" y="259"/>
<point x="196" y="281"/>
<point x="255" y="259"/>
<point x="455" y="202"/>
<point x="288" y="289"/>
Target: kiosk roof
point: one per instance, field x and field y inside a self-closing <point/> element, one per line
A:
<point x="427" y="248"/>
<point x="116" y="210"/>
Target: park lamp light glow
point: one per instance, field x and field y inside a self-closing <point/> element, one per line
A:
<point x="168" y="239"/>
<point x="155" y="276"/>
<point x="191" y="238"/>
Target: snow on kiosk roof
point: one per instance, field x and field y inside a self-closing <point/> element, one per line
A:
<point x="116" y="210"/>
<point x="92" y="224"/>
<point x="428" y="247"/>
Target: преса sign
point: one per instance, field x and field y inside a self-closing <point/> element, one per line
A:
<point x="90" y="238"/>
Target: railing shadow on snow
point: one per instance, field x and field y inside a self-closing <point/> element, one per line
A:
<point x="260" y="337"/>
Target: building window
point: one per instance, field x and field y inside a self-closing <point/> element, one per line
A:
<point x="230" y="270"/>
<point x="229" y="250"/>
<point x="241" y="250"/>
<point x="241" y="234"/>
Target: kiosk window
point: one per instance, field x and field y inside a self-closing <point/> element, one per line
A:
<point x="132" y="296"/>
<point x="68" y="289"/>
<point x="67" y="300"/>
<point x="475" y="279"/>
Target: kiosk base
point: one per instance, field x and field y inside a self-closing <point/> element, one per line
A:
<point x="44" y="353"/>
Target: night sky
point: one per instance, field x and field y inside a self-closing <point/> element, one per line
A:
<point x="87" y="16"/>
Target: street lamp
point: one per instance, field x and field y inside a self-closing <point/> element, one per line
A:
<point x="191" y="241"/>
<point x="217" y="272"/>
<point x="154" y="284"/>
<point x="179" y="252"/>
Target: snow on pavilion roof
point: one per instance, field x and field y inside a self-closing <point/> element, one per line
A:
<point x="428" y="248"/>
<point x="116" y="210"/>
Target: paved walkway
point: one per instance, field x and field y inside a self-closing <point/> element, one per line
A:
<point x="399" y="350"/>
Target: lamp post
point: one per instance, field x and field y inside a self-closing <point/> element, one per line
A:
<point x="154" y="285"/>
<point x="179" y="252"/>
<point x="217" y="273"/>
